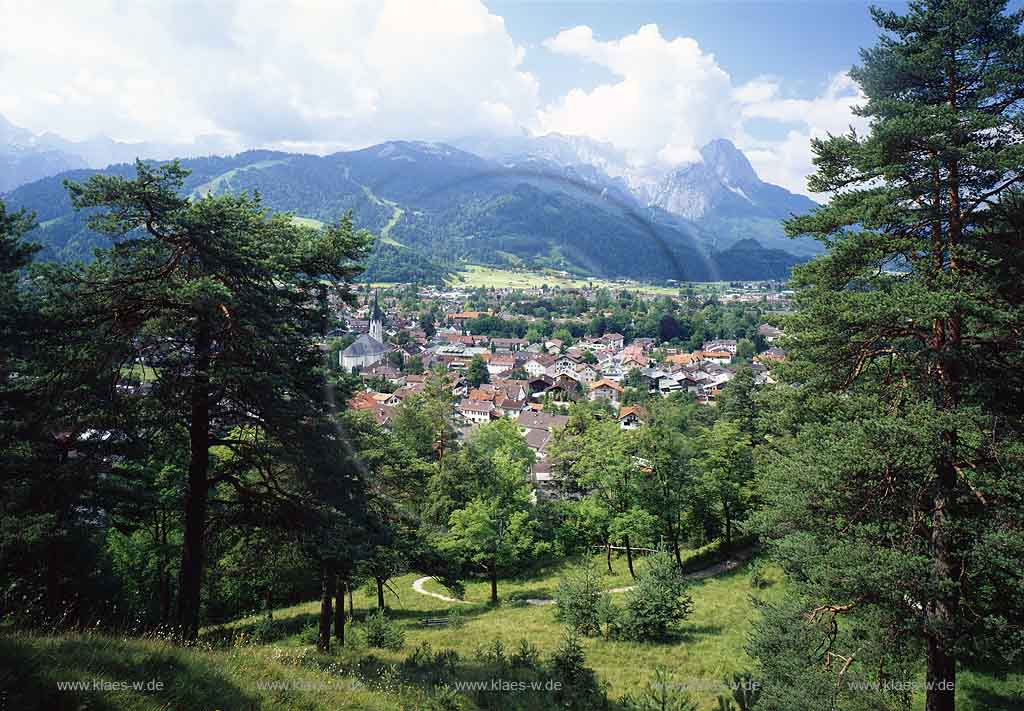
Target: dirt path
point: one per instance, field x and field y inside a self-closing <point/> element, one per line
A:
<point x="717" y="569"/>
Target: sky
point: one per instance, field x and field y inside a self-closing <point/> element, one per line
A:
<point x="655" y="79"/>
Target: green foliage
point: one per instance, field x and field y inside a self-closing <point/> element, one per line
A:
<point x="579" y="689"/>
<point x="658" y="603"/>
<point x="456" y="618"/>
<point x="580" y="604"/>
<point x="898" y="417"/>
<point x="662" y="693"/>
<point x="382" y="632"/>
<point x="477" y="373"/>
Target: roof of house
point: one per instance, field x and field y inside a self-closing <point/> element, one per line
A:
<point x="637" y="410"/>
<point x="536" y="438"/>
<point x="605" y="383"/>
<point x="362" y="401"/>
<point x="364" y="346"/>
<point x="541" y="420"/>
<point x="468" y="405"/>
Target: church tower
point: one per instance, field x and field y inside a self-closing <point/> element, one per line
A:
<point x="376" y="321"/>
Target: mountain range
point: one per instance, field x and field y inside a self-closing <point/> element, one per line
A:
<point x="563" y="202"/>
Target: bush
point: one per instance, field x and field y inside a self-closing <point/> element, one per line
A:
<point x="657" y="604"/>
<point x="578" y="687"/>
<point x="661" y="694"/>
<point x="382" y="632"/>
<point x="757" y="577"/>
<point x="580" y="603"/>
<point x="526" y="656"/>
<point x="429" y="667"/>
<point x="713" y="553"/>
<point x="456" y="618"/>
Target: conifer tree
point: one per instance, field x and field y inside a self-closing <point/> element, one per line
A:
<point x="226" y="304"/>
<point x="895" y="482"/>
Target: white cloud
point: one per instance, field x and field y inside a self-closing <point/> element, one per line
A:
<point x="670" y="96"/>
<point x="296" y="72"/>
<point x="787" y="161"/>
<point x="317" y="76"/>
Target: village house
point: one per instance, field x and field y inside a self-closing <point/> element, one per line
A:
<point x="769" y="333"/>
<point x="772" y="355"/>
<point x="564" y="365"/>
<point x="720" y="357"/>
<point x="605" y="389"/>
<point x="538" y="365"/>
<point x="726" y="345"/>
<point x="632" y="417"/>
<point x="586" y="373"/>
<point x="499" y="362"/>
<point x="476" y="411"/>
<point x="613" y="340"/>
<point x="509" y="344"/>
<point x="554" y="345"/>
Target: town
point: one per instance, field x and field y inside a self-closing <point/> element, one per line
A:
<point x="394" y="339"/>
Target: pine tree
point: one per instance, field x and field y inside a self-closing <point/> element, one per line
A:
<point x="226" y="304"/>
<point x="895" y="481"/>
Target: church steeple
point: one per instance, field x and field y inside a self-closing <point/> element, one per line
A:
<point x="376" y="320"/>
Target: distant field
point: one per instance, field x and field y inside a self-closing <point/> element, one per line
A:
<point x="307" y="221"/>
<point x="476" y="276"/>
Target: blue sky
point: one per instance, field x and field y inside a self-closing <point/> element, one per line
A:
<point x="804" y="42"/>
<point x="655" y="80"/>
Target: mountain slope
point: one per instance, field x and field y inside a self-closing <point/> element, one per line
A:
<point x="439" y="207"/>
<point x="724" y="194"/>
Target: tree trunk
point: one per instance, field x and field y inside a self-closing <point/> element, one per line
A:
<point x="191" y="577"/>
<point x="608" y="553"/>
<point x="728" y="525"/>
<point x="52" y="581"/>
<point x="494" y="583"/>
<point x="268" y="601"/>
<point x="380" y="593"/>
<point x="327" y="582"/>
<point x="629" y="558"/>
<point x="940" y="694"/>
<point x="165" y="576"/>
<point x="165" y="595"/>
<point x="339" y="613"/>
<point x="673" y="537"/>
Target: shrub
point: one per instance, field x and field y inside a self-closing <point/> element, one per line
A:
<point x="746" y="690"/>
<point x="444" y="698"/>
<point x="580" y="603"/>
<point x="429" y="667"/>
<point x="661" y="694"/>
<point x="526" y="656"/>
<point x="382" y="632"/>
<point x="657" y="604"/>
<point x="578" y="687"/>
<point x="757" y="577"/>
<point x="456" y="618"/>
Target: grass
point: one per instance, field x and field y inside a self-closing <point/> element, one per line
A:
<point x="710" y="644"/>
<point x="396" y="215"/>
<point x="229" y="666"/>
<point x="307" y="222"/>
<point x="476" y="276"/>
<point x="143" y="373"/>
<point x="31" y="667"/>
<point x="222" y="182"/>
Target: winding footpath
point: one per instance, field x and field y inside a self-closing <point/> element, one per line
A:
<point x="717" y="569"/>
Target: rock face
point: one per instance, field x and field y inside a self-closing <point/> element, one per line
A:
<point x="724" y="185"/>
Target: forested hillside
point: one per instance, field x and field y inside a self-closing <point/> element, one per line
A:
<point x="435" y="207"/>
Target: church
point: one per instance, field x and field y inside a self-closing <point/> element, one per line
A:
<point x="368" y="349"/>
